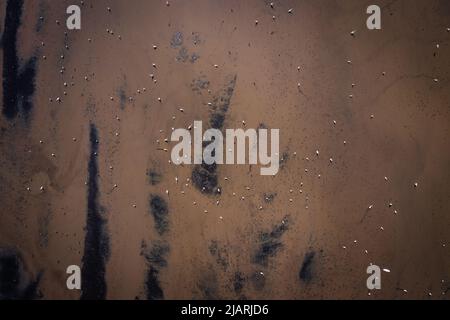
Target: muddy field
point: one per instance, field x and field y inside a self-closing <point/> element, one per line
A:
<point x="85" y="176"/>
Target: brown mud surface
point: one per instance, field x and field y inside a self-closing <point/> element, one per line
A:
<point x="85" y="178"/>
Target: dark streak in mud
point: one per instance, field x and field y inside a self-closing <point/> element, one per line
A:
<point x="121" y="93"/>
<point x="122" y="98"/>
<point x="238" y="282"/>
<point x="154" y="291"/>
<point x="156" y="259"/>
<point x="10" y="60"/>
<point x="43" y="224"/>
<point x="204" y="177"/>
<point x="221" y="103"/>
<point x="270" y="243"/>
<point x="43" y="7"/>
<point x="284" y="159"/>
<point x="96" y="245"/>
<point x="305" y="273"/>
<point x="26" y="85"/>
<point x="220" y="253"/>
<point x="154" y="177"/>
<point x="159" y="210"/>
<point x="208" y="285"/>
<point x="157" y="254"/>
<point x="18" y="85"/>
<point x="15" y="283"/>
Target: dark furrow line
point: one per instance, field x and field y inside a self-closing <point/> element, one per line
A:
<point x="10" y="59"/>
<point x="18" y="82"/>
<point x="96" y="245"/>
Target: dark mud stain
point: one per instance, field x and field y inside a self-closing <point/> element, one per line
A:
<point x="306" y="271"/>
<point x="217" y="120"/>
<point x="219" y="253"/>
<point x="199" y="84"/>
<point x="208" y="284"/>
<point x="269" y="197"/>
<point x="258" y="280"/>
<point x="177" y="39"/>
<point x="262" y="126"/>
<point x="156" y="260"/>
<point x="152" y="285"/>
<point x="26" y="85"/>
<point x="183" y="55"/>
<point x="194" y="57"/>
<point x="160" y="211"/>
<point x="43" y="224"/>
<point x="238" y="282"/>
<point x="15" y="281"/>
<point x="196" y="38"/>
<point x="270" y="243"/>
<point x="96" y="243"/>
<point x="154" y="177"/>
<point x="122" y="93"/>
<point x="284" y="159"/>
<point x="18" y="85"/>
<point x="10" y="59"/>
<point x="204" y="176"/>
<point x="43" y="7"/>
<point x="222" y="101"/>
<point x="122" y="98"/>
<point x="156" y="255"/>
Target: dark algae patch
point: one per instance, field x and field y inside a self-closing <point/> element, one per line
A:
<point x="306" y="273"/>
<point x="204" y="176"/>
<point x="18" y="83"/>
<point x="15" y="283"/>
<point x="96" y="245"/>
<point x="160" y="211"/>
<point x="270" y="243"/>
